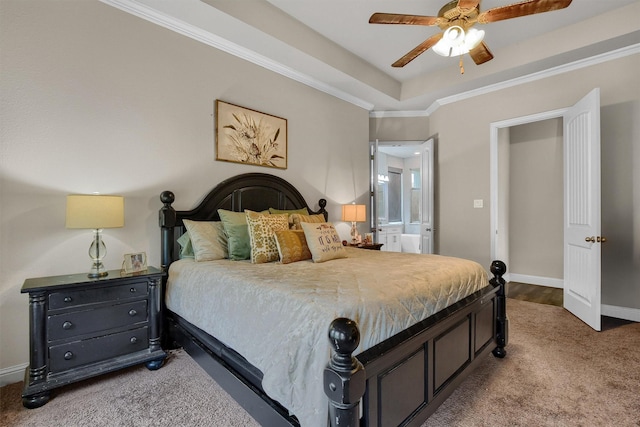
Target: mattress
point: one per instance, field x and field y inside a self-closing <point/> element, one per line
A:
<point x="277" y="315"/>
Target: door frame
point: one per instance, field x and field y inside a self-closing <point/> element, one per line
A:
<point x="427" y="196"/>
<point x="498" y="192"/>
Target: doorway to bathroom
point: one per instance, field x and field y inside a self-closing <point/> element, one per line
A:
<point x="402" y="195"/>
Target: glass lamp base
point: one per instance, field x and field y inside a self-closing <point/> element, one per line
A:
<point x="94" y="274"/>
<point x="97" y="252"/>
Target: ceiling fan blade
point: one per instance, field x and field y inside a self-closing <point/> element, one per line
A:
<point x="417" y="51"/>
<point x="481" y="54"/>
<point x="524" y="8"/>
<point x="395" y="18"/>
<point x="468" y="4"/>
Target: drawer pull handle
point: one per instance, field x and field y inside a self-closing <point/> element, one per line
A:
<point x="132" y="313"/>
<point x="68" y="355"/>
<point x="132" y="290"/>
<point x="68" y="299"/>
<point x="67" y="325"/>
<point x="133" y="340"/>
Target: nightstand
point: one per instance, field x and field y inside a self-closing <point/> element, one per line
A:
<point x="372" y="246"/>
<point x="81" y="327"/>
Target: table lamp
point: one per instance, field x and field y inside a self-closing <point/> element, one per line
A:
<point x="95" y="212"/>
<point x="354" y="213"/>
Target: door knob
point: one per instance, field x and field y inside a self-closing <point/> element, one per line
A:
<point x="590" y="239"/>
<point x="601" y="239"/>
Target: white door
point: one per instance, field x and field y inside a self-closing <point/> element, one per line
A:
<point x="426" y="224"/>
<point x="582" y="239"/>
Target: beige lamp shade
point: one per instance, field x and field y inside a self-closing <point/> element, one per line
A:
<point x="95" y="211"/>
<point x="354" y="213"/>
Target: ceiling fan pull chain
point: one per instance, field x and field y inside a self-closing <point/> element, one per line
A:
<point x="461" y="66"/>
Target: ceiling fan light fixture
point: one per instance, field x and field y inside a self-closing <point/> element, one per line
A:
<point x="473" y="39"/>
<point x="451" y="42"/>
<point x="456" y="42"/>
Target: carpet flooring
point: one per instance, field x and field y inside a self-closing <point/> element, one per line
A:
<point x="558" y="372"/>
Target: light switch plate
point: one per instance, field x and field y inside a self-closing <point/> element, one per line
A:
<point x="478" y="203"/>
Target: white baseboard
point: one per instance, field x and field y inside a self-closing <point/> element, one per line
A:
<point x="535" y="280"/>
<point x="618" y="312"/>
<point x="12" y="374"/>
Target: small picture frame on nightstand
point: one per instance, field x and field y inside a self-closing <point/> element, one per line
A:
<point x="368" y="239"/>
<point x="135" y="262"/>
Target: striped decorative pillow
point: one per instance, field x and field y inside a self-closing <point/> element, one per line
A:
<point x="297" y="219"/>
<point x="292" y="246"/>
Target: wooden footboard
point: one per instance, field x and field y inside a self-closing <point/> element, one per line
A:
<point x="403" y="380"/>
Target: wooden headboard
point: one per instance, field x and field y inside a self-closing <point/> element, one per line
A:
<point x="253" y="191"/>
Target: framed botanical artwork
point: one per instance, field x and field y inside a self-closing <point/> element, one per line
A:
<point x="251" y="137"/>
<point x="134" y="263"/>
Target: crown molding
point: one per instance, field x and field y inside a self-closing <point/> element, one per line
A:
<point x="149" y="14"/>
<point x="181" y="27"/>
<point x="565" y="68"/>
<point x="387" y="114"/>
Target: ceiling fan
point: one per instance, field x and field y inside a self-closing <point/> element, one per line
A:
<point x="456" y="20"/>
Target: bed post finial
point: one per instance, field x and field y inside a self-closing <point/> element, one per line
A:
<point x="323" y="204"/>
<point x="499" y="268"/>
<point x="344" y="376"/>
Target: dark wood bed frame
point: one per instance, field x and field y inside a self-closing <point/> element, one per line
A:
<point x="400" y="381"/>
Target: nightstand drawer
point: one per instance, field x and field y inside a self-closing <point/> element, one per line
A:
<point x="69" y="325"/>
<point x="72" y="298"/>
<point x="77" y="353"/>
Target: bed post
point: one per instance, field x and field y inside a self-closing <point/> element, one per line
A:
<point x="323" y="204"/>
<point x="499" y="268"/>
<point x="167" y="220"/>
<point x="344" y="376"/>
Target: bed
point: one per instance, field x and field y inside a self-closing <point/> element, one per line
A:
<point x="310" y="343"/>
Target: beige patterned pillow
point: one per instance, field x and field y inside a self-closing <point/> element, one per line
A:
<point x="292" y="246"/>
<point x="207" y="239"/>
<point x="261" y="229"/>
<point x="324" y="241"/>
<point x="296" y="219"/>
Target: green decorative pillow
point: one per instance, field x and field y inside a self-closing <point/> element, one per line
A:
<point x="186" y="248"/>
<point x="296" y="219"/>
<point x="324" y="241"/>
<point x="237" y="231"/>
<point x="292" y="246"/>
<point x="208" y="240"/>
<point x="261" y="229"/>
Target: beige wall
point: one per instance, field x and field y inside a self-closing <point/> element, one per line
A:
<point x="96" y="100"/>
<point x="399" y="129"/>
<point x="620" y="157"/>
<point x="536" y="205"/>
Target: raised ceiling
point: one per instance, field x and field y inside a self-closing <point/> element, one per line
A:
<point x="329" y="44"/>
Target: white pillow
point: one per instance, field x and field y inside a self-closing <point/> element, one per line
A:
<point x="323" y="241"/>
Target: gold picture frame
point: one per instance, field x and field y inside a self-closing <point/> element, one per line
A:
<point x="248" y="136"/>
<point x="134" y="262"/>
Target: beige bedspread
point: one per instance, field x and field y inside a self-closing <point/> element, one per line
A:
<point x="277" y="316"/>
